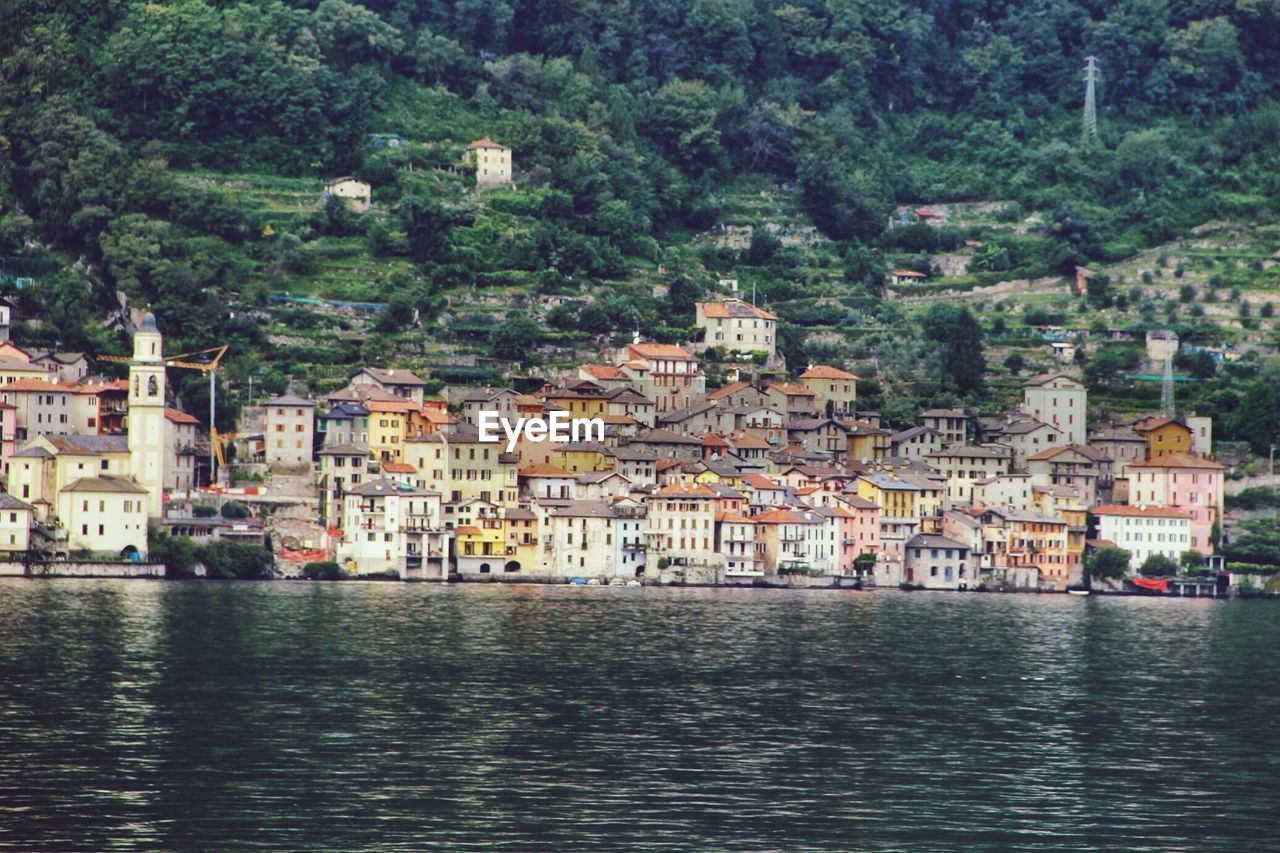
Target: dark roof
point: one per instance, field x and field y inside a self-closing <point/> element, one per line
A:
<point x="89" y="445"/>
<point x="105" y="484"/>
<point x="930" y="540"/>
<point x="345" y="450"/>
<point x="384" y="486"/>
<point x="289" y="400"/>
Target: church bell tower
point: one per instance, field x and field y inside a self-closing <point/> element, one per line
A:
<point x="146" y="413"/>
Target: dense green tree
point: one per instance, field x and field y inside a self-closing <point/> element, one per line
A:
<point x="959" y="340"/>
<point x="514" y="340"/>
<point x="1159" y="565"/>
<point x="1257" y="420"/>
<point x="1107" y="563"/>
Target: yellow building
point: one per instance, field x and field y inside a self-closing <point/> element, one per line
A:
<point x="896" y="498"/>
<point x="480" y="543"/>
<point x="1164" y="435"/>
<point x="476" y="469"/>
<point x="388" y="427"/>
<point x="492" y="162"/>
<point x="521" y="527"/>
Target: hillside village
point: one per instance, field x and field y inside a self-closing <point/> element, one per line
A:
<point x="763" y="480"/>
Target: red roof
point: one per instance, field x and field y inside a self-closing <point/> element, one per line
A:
<point x="177" y="417"/>
<point x="1177" y="460"/>
<point x="826" y="371"/>
<point x="398" y="468"/>
<point x="604" y="371"/>
<point x="778" y="516"/>
<point x="761" y="482"/>
<point x="1139" y="511"/>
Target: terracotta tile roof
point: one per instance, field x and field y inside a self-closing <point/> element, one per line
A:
<point x="42" y="385"/>
<point x="792" y="389"/>
<point x="177" y="417"/>
<point x="826" y="371"/>
<point x="1139" y="511"/>
<point x="1154" y="423"/>
<point x="603" y="371"/>
<point x="398" y="468"/>
<point x="1178" y="460"/>
<point x="762" y="483"/>
<point x="778" y="516"/>
<point x="734" y="308"/>
<point x="734" y="518"/>
<point x="665" y="351"/>
<point x="731" y="388"/>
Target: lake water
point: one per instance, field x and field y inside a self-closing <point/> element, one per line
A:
<point x="392" y="716"/>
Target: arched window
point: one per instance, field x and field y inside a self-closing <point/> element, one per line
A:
<point x="153" y="386"/>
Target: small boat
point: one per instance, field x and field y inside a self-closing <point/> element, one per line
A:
<point x="1077" y="590"/>
<point x="577" y="581"/>
<point x="909" y="587"/>
<point x="633" y="583"/>
<point x="593" y="582"/>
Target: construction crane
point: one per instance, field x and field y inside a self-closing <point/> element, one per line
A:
<point x="206" y="361"/>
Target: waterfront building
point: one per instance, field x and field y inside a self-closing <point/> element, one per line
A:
<point x="1144" y="531"/>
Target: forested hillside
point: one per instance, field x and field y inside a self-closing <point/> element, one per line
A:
<point x="175" y="153"/>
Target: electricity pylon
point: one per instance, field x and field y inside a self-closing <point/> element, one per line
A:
<point x="1091" y="76"/>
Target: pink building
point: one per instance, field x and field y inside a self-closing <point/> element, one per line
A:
<point x="8" y="432"/>
<point x="1190" y="484"/>
<point x="859" y="530"/>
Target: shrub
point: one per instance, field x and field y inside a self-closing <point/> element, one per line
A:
<point x="323" y="571"/>
<point x="235" y="510"/>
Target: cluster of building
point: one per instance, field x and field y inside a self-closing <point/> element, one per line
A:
<point x="763" y="478"/>
<point x="759" y="479"/>
<point x="88" y="462"/>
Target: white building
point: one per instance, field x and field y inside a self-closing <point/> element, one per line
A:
<point x="390" y="526"/>
<point x="105" y="515"/>
<point x="1059" y="401"/>
<point x="15" y="523"/>
<point x="1144" y="531"/>
<point x="147" y="450"/>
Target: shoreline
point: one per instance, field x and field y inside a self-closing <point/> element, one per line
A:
<point x="568" y="582"/>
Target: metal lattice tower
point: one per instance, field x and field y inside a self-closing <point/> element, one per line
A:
<point x="1091" y="76"/>
<point x="1166" y="388"/>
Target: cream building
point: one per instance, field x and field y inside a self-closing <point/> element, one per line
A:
<point x="492" y="161"/>
<point x="356" y="193"/>
<point x="737" y="326"/>
<point x="832" y="384"/>
<point x="681" y="531"/>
